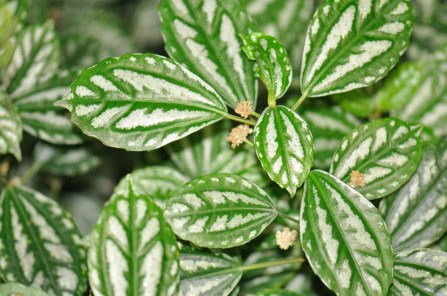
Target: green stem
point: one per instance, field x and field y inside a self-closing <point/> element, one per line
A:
<point x="31" y="172"/>
<point x="256" y="114"/>
<point x="285" y="216"/>
<point x="271" y="100"/>
<point x="249" y="143"/>
<point x="300" y="101"/>
<point x="263" y="265"/>
<point x="239" y="119"/>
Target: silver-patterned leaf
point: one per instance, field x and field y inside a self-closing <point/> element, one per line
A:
<point x="420" y="272"/>
<point x="417" y="214"/>
<point x="344" y="238"/>
<point x="272" y="62"/>
<point x="10" y="128"/>
<point x="208" y="274"/>
<point x="220" y="211"/>
<point x="158" y="182"/>
<point x="65" y="161"/>
<point x="141" y="102"/>
<point x="378" y="157"/>
<point x="13" y="289"/>
<point x="328" y="126"/>
<point x="352" y="44"/>
<point x="133" y="250"/>
<point x="208" y="151"/>
<point x="35" y="59"/>
<point x="203" y="35"/>
<point x="284" y="146"/>
<point x="287" y="20"/>
<point x="40" y="244"/>
<point x="41" y="118"/>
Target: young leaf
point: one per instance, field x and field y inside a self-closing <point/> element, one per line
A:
<point x="344" y="238"/>
<point x="133" y="250"/>
<point x="377" y="158"/>
<point x="203" y="35"/>
<point x="284" y="19"/>
<point x="34" y="61"/>
<point x="284" y="146"/>
<point x="10" y="128"/>
<point x="272" y="63"/>
<point x="417" y="214"/>
<point x="41" y="244"/>
<point x="41" y="118"/>
<point x="65" y="161"/>
<point x="352" y="44"/>
<point x="8" y="22"/>
<point x="158" y="182"/>
<point x="208" y="274"/>
<point x="220" y="211"/>
<point x="328" y="126"/>
<point x="141" y="102"/>
<point x="13" y="289"/>
<point x="420" y="272"/>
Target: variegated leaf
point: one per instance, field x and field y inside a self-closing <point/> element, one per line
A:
<point x="10" y="128"/>
<point x="220" y="211"/>
<point x="284" y="146"/>
<point x="276" y="292"/>
<point x="141" y="102"/>
<point x="41" y="118"/>
<point x="208" y="151"/>
<point x="352" y="44"/>
<point x="203" y="35"/>
<point x="418" y="93"/>
<point x="34" y="61"/>
<point x="359" y="102"/>
<point x="13" y="289"/>
<point x="272" y="63"/>
<point x="158" y="182"/>
<point x="208" y="274"/>
<point x="286" y="20"/>
<point x="328" y="126"/>
<point x="40" y="244"/>
<point x="377" y="158"/>
<point x="417" y="214"/>
<point x="8" y="22"/>
<point x="133" y="250"/>
<point x="65" y="161"/>
<point x="420" y="272"/>
<point x="344" y="238"/>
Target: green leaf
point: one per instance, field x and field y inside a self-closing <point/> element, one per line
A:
<point x="220" y="211"/>
<point x="41" y="244"/>
<point x="359" y="102"/>
<point x="328" y="126"/>
<point x="14" y="289"/>
<point x="385" y="153"/>
<point x="41" y="118"/>
<point x="208" y="274"/>
<point x="276" y="292"/>
<point x="352" y="44"/>
<point x="158" y="182"/>
<point x="10" y="128"/>
<point x="203" y="35"/>
<point x="286" y="20"/>
<point x="65" y="161"/>
<point x="133" y="250"/>
<point x="8" y="22"/>
<point x="344" y="238"/>
<point x="420" y="272"/>
<point x="417" y="214"/>
<point x="80" y="51"/>
<point x="208" y="151"/>
<point x="34" y="61"/>
<point x="272" y="63"/>
<point x="141" y="102"/>
<point x="284" y="146"/>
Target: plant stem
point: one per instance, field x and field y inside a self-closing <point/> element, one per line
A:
<point x="263" y="265"/>
<point x="240" y="119"/>
<point x="31" y="172"/>
<point x="300" y="101"/>
<point x="271" y="100"/>
<point x="285" y="216"/>
<point x="249" y="143"/>
<point x="256" y="114"/>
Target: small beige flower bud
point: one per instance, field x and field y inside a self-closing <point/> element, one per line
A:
<point x="357" y="179"/>
<point x="244" y="109"/>
<point x="285" y="238"/>
<point x="238" y="135"/>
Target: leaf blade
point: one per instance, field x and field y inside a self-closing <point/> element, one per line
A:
<point x="10" y="128"/>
